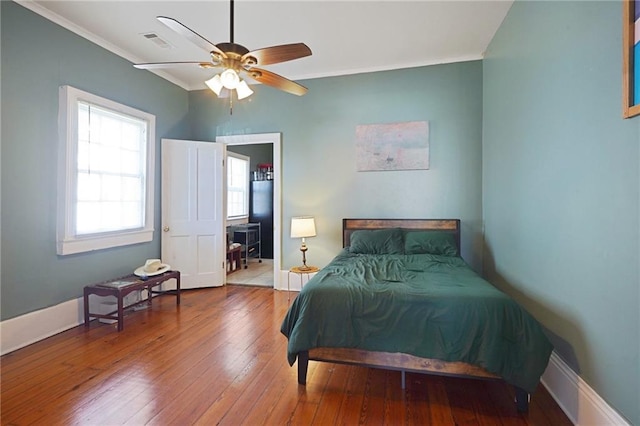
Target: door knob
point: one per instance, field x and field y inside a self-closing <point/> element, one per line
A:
<point x="165" y="229"/>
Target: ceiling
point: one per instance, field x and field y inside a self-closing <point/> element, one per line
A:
<point x="346" y="37"/>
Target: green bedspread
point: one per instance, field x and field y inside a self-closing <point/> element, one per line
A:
<point x="424" y="305"/>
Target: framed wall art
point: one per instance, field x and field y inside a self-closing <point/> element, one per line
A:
<point x="392" y="146"/>
<point x="630" y="58"/>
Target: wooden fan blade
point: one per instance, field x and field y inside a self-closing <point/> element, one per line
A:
<point x="155" y="65"/>
<point x="277" y="54"/>
<point x="274" y="80"/>
<point x="193" y="36"/>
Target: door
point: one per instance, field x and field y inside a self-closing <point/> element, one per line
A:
<point x="193" y="223"/>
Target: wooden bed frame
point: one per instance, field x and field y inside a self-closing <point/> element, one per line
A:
<point x="400" y="361"/>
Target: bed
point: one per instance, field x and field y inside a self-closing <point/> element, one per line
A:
<point x="399" y="296"/>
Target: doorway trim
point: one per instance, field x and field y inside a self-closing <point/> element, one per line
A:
<point x="275" y="139"/>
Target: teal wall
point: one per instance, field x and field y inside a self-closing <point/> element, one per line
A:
<point x="562" y="187"/>
<point x="318" y="149"/>
<point x="37" y="58"/>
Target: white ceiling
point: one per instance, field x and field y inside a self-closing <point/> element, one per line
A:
<point x="346" y="37"/>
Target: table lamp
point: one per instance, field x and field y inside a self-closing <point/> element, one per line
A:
<point x="303" y="227"/>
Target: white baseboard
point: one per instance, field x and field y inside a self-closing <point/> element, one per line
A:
<point x="18" y="332"/>
<point x="577" y="399"/>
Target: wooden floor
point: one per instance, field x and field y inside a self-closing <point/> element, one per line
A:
<point x="220" y="359"/>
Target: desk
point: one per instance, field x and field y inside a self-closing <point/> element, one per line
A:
<point x="299" y="271"/>
<point x="122" y="286"/>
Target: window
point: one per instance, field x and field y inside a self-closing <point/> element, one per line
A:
<point x="237" y="186"/>
<point x="106" y="167"/>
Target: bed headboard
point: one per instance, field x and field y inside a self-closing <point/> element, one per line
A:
<point x="443" y="225"/>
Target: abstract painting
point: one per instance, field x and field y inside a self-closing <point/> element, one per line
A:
<point x="392" y="146"/>
<point x="631" y="58"/>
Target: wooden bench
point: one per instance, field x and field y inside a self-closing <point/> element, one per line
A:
<point x="120" y="287"/>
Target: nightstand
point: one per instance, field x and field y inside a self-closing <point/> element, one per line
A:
<point x="299" y="271"/>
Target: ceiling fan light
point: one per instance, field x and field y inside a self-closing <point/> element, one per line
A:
<point x="229" y="79"/>
<point x="215" y="84"/>
<point x="243" y="90"/>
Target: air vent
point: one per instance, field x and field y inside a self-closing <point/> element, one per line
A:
<point x="155" y="38"/>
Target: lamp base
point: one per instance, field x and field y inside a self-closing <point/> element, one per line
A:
<point x="303" y="249"/>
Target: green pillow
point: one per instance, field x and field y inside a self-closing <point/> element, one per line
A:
<point x="381" y="241"/>
<point x="430" y="242"/>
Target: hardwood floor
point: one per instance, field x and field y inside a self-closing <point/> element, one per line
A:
<point x="220" y="359"/>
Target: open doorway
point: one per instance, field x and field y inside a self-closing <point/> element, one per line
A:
<point x="263" y="149"/>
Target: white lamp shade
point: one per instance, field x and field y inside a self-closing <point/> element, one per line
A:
<point x="302" y="227"/>
<point x="229" y="79"/>
<point x="215" y="84"/>
<point x="243" y="90"/>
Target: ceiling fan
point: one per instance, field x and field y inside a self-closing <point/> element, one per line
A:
<point x="236" y="61"/>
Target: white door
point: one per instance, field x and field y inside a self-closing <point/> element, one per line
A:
<point x="193" y="225"/>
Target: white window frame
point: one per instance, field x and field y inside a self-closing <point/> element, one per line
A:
<point x="247" y="188"/>
<point x="67" y="240"/>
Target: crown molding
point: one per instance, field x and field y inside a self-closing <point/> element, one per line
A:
<point x="88" y="35"/>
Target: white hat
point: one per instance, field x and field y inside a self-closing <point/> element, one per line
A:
<point x="152" y="267"/>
